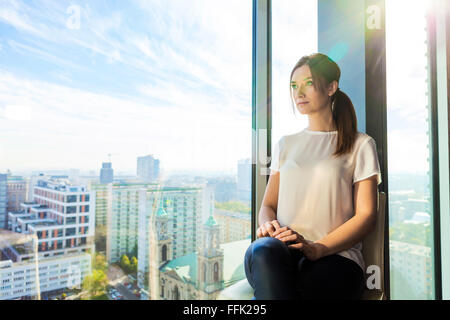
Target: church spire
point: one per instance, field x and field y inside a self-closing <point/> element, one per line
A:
<point x="161" y="212"/>
<point x="211" y="221"/>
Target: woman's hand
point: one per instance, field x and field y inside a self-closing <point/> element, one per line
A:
<point x="268" y="228"/>
<point x="313" y="251"/>
<point x="287" y="235"/>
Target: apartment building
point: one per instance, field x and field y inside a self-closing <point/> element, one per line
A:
<point x="61" y="220"/>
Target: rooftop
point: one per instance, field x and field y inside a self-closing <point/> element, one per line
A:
<point x="59" y="185"/>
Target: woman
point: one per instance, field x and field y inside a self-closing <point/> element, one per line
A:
<point x="321" y="197"/>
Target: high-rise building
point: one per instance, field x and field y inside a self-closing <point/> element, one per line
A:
<point x="33" y="278"/>
<point x="101" y="203"/>
<point x="122" y="218"/>
<point x="225" y="188"/>
<point x="147" y="168"/>
<point x="129" y="209"/>
<point x="234" y="225"/>
<point x="61" y="218"/>
<point x="3" y="200"/>
<point x="106" y="173"/>
<point x="411" y="270"/>
<point x="183" y="206"/>
<point x="17" y="193"/>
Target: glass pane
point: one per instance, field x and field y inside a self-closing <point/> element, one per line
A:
<point x="409" y="158"/>
<point x="127" y="126"/>
<point x="294" y="34"/>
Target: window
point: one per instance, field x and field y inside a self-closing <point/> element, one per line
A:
<point x="204" y="272"/>
<point x="71" y="209"/>
<point x="72" y="198"/>
<point x="216" y="272"/>
<point x="298" y="19"/>
<point x="71" y="220"/>
<point x="70" y="231"/>
<point x="164" y="253"/>
<point x="185" y="65"/>
<point x="410" y="166"/>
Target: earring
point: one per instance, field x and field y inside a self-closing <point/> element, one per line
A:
<point x="332" y="106"/>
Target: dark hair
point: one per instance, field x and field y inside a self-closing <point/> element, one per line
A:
<point x="324" y="71"/>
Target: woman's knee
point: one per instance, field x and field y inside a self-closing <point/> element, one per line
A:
<point x="267" y="247"/>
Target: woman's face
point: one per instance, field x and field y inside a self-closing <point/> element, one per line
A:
<point x="305" y="97"/>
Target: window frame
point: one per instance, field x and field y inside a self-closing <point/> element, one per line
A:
<point x="375" y="113"/>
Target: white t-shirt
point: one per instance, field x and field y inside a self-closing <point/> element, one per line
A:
<point x="315" y="193"/>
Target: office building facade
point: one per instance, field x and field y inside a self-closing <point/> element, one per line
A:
<point x="61" y="218"/>
<point x="106" y="173"/>
<point x="148" y="168"/>
<point x="3" y="200"/>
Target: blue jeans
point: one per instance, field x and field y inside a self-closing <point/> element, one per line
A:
<point x="276" y="271"/>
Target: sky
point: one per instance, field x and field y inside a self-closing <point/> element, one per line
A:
<point x="83" y="79"/>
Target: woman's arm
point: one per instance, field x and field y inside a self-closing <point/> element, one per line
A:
<point x="356" y="228"/>
<point x="269" y="204"/>
<point x="268" y="212"/>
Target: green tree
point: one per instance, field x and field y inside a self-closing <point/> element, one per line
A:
<point x="419" y="234"/>
<point x="133" y="266"/>
<point x="95" y="283"/>
<point x="100" y="262"/>
<point x="125" y="263"/>
<point x="235" y="206"/>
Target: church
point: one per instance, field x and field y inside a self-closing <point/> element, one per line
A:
<point x="199" y="275"/>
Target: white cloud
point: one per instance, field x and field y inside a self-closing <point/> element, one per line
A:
<point x="9" y="15"/>
<point x="144" y="45"/>
<point x="21" y="113"/>
<point x="76" y="128"/>
<point x="194" y="110"/>
<point x="41" y="54"/>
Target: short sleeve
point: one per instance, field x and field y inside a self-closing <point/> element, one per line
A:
<point x="366" y="162"/>
<point x="275" y="158"/>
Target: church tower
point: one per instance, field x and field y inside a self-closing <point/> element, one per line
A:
<point x="210" y="259"/>
<point x="160" y="246"/>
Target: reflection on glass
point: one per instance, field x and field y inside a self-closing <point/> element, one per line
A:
<point x="128" y="132"/>
<point x="410" y="180"/>
<point x="294" y="34"/>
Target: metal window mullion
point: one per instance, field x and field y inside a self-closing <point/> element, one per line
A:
<point x="261" y="105"/>
<point x="434" y="146"/>
<point x="376" y="111"/>
<point x="443" y="109"/>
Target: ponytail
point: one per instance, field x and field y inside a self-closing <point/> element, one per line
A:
<point x="344" y="117"/>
